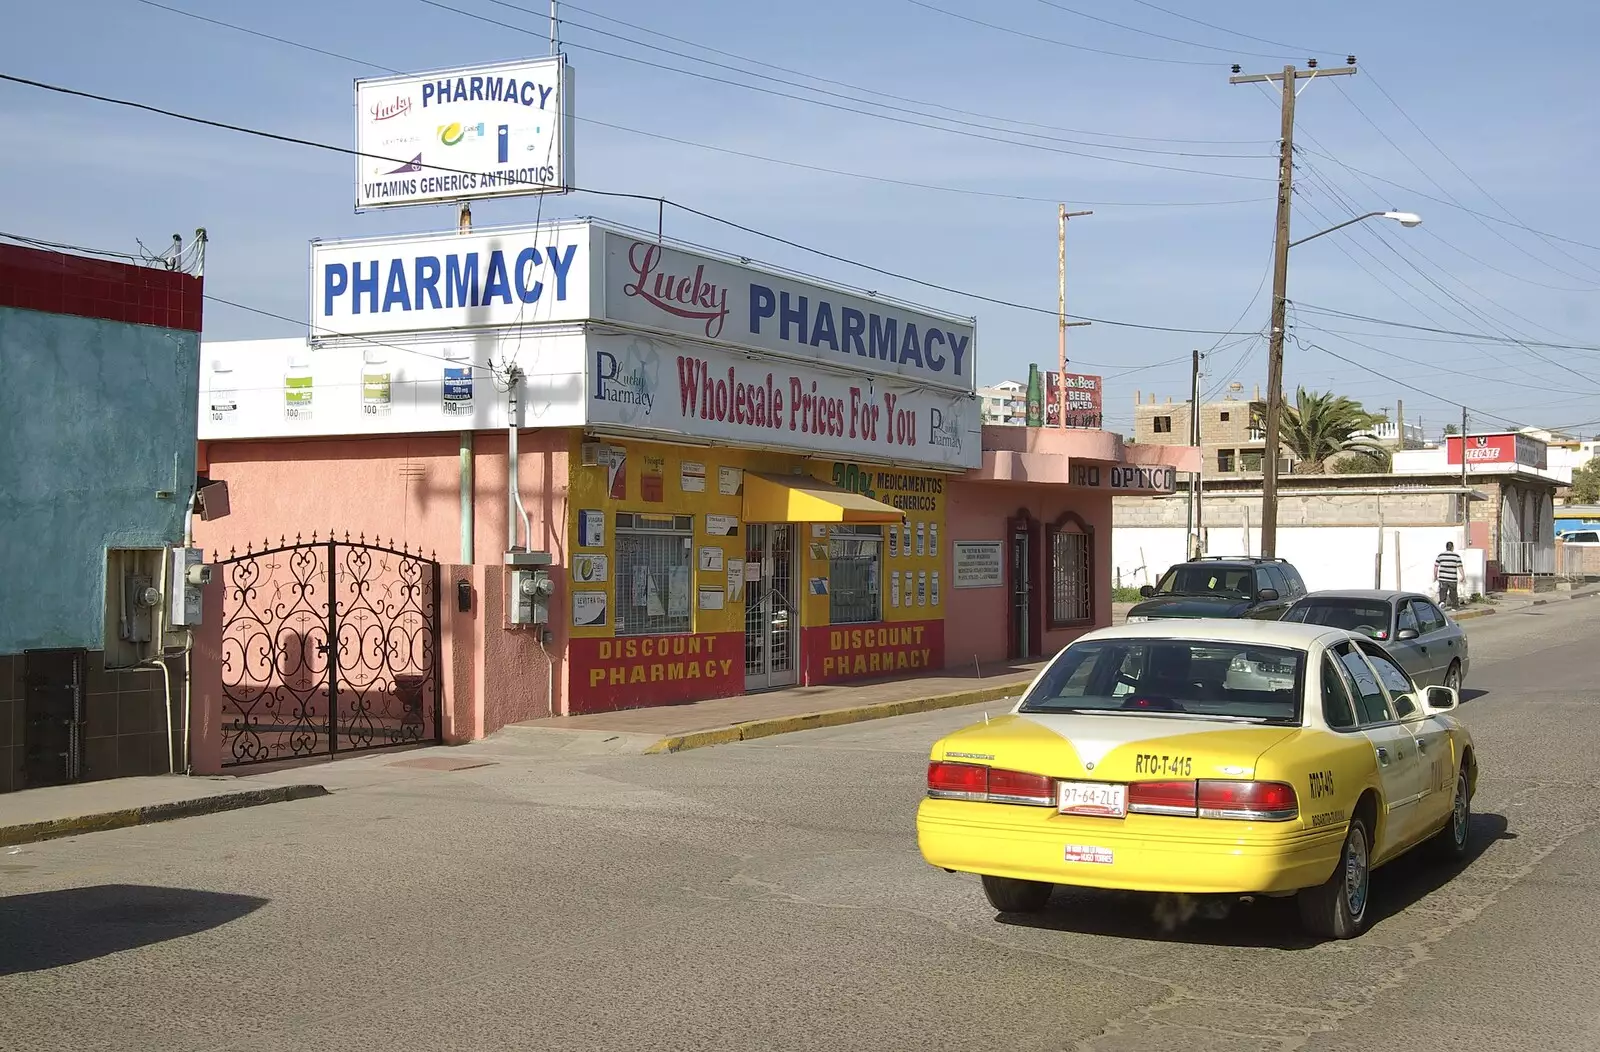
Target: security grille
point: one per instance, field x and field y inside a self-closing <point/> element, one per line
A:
<point x="1070" y="574"/>
<point x="855" y="556"/>
<point x="655" y="559"/>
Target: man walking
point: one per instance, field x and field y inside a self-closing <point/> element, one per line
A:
<point x="1447" y="571"/>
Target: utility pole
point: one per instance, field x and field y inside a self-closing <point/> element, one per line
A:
<point x="1280" y="285"/>
<point x="1196" y="514"/>
<point x="1061" y="253"/>
<point x="1466" y="502"/>
<point x="555" y="27"/>
<point x="1399" y="426"/>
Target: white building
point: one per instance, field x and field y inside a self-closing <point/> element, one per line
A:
<point x="1005" y="403"/>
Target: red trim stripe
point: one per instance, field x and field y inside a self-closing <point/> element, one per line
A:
<point x="58" y="283"/>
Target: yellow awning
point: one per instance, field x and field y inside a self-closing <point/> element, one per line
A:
<point x="800" y="498"/>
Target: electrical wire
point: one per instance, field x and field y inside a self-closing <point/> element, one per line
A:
<point x="1478" y="336"/>
<point x="567" y="5"/>
<point x="1039" y="146"/>
<point x="822" y="169"/>
<point x="1233" y="32"/>
<point x="1159" y="36"/>
<point x="1058" y="43"/>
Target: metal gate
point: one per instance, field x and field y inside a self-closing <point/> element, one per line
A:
<point x="327" y="647"/>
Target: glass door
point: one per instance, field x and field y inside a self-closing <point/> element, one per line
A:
<point x="771" y="612"/>
<point x="1021" y="595"/>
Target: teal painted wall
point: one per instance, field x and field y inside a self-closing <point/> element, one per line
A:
<point x="91" y="415"/>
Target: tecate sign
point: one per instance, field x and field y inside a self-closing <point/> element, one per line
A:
<point x="450" y="281"/>
<point x="483" y="131"/>
<point x="667" y="386"/>
<point x="673" y="290"/>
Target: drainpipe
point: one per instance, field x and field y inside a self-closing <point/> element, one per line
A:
<point x="466" y="499"/>
<point x="514" y="509"/>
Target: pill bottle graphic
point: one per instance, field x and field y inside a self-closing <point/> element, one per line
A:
<point x="297" y="390"/>
<point x="933" y="538"/>
<point x="894" y="542"/>
<point x="223" y="400"/>
<point x="377" y="389"/>
<point x="933" y="594"/>
<point x="922" y="539"/>
<point x="458" y="384"/>
<point x="894" y="588"/>
<point x="905" y="541"/>
<point x="922" y="588"/>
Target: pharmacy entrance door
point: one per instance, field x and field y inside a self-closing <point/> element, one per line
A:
<point x="771" y="607"/>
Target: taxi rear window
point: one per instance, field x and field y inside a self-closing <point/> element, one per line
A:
<point x="1367" y="616"/>
<point x="1178" y="678"/>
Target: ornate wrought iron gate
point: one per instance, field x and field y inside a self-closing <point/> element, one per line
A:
<point x="328" y="646"/>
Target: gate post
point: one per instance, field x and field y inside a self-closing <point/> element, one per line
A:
<point x="333" y="646"/>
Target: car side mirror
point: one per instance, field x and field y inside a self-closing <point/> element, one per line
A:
<point x="1267" y="595"/>
<point x="1406" y="633"/>
<point x="1146" y="591"/>
<point x="1441" y="699"/>
<point x="1405" y="706"/>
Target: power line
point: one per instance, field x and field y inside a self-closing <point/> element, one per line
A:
<point x="567" y="5"/>
<point x="1478" y="336"/>
<point x="1160" y="36"/>
<point x="1506" y="273"/>
<point x="1043" y="147"/>
<point x="1232" y="32"/>
<point x="998" y="195"/>
<point x="654" y="199"/>
<point x="1059" y="43"/>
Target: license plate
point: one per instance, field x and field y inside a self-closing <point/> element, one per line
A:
<point x="1104" y="799"/>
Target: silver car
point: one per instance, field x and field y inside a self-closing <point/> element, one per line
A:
<point x="1430" y="646"/>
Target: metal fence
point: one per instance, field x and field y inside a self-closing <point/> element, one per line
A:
<point x="1528" y="557"/>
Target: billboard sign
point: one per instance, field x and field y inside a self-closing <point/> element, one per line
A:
<point x="438" y="282"/>
<point x="680" y="291"/>
<point x="476" y="132"/>
<point x="1508" y="449"/>
<point x="665" y="388"/>
<point x="1082" y="400"/>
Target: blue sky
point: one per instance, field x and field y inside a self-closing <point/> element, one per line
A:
<point x="1499" y="92"/>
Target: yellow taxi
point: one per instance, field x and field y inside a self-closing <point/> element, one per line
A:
<point x="1205" y="757"/>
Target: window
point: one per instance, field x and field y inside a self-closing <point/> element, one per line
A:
<point x="1368" y="616"/>
<point x="1250" y="461"/>
<point x="1224" y="416"/>
<point x="1371" y="705"/>
<point x="855" y="562"/>
<point x="1275" y="580"/>
<point x="655" y="558"/>
<point x="1297" y="584"/>
<point x="1163" y="425"/>
<point x="1163" y="677"/>
<point x="1394" y="677"/>
<point x="1206" y="579"/>
<point x="1224" y="460"/>
<point x="1071" y="570"/>
<point x="1407" y="620"/>
<point x="1430" y="616"/>
<point x="1337" y="710"/>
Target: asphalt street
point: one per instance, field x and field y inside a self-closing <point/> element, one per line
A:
<point x="769" y="895"/>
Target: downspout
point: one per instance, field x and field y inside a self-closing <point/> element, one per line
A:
<point x="514" y="508"/>
<point x="467" y="524"/>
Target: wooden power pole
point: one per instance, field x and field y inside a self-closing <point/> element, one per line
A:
<point x="1196" y="512"/>
<point x="1280" y="285"/>
<point x="1061" y="255"/>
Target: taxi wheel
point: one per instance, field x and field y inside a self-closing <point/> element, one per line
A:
<point x="1016" y="896"/>
<point x="1450" y="843"/>
<point x="1337" y="908"/>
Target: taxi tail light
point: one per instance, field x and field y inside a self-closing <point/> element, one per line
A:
<point x="993" y="785"/>
<point x="1247" y="801"/>
<point x="1163" y="798"/>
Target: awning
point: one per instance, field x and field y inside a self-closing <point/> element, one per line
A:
<point x="800" y="498"/>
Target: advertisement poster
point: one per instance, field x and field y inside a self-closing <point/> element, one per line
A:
<point x="588" y="609"/>
<point x="722" y="525"/>
<point x="735" y="580"/>
<point x="1081" y="396"/>
<point x="730" y="481"/>
<point x="711" y="560"/>
<point x="502" y="130"/>
<point x="617" y="473"/>
<point x="651" y="486"/>
<point x="692" y="477"/>
<point x="590" y="569"/>
<point x="591" y="529"/>
<point x="711" y="599"/>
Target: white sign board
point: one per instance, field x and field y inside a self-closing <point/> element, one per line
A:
<point x="978" y="564"/>
<point x="286" y="389"/>
<point x="471" y="133"/>
<point x="674" y="290"/>
<point x="483" y="280"/>
<point x="660" y="388"/>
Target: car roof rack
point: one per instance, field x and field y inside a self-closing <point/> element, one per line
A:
<point x="1238" y="559"/>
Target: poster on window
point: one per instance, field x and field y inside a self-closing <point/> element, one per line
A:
<point x="735" y="580"/>
<point x="588" y="609"/>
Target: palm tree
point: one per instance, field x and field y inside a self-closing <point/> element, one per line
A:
<point x="1321" y="425"/>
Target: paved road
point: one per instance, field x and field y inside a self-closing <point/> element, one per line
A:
<point x="769" y="895"/>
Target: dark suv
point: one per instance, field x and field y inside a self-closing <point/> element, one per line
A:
<point x="1222" y="587"/>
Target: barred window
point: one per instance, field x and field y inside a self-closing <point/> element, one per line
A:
<point x="1071" y="574"/>
<point x="654" y="567"/>
<point x="855" y="564"/>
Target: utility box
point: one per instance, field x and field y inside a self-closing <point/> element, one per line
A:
<point x="530" y="597"/>
<point x="134" y="595"/>
<point x="190" y="575"/>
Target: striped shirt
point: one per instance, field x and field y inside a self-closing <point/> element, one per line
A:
<point x="1448" y="566"/>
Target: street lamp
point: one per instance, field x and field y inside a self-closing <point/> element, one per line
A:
<point x="1280" y="282"/>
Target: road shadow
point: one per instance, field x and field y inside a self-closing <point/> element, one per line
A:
<point x="1259" y="923"/>
<point x="49" y="929"/>
<point x="1472" y="694"/>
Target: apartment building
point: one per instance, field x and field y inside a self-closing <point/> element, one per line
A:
<point x="1232" y="431"/>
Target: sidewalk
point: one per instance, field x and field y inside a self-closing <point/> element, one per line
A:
<point x="678" y="727"/>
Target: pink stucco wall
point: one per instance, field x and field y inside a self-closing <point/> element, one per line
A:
<point x="978" y="618"/>
<point x="408" y="488"/>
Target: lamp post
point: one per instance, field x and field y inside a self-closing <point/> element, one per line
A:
<point x="1280" y="282"/>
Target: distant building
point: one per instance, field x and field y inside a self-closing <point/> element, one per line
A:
<point x="1387" y="434"/>
<point x="1232" y="432"/>
<point x="1005" y="403"/>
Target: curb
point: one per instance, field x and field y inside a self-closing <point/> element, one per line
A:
<point x="56" y="828"/>
<point x="1468" y="615"/>
<point x="829" y="718"/>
